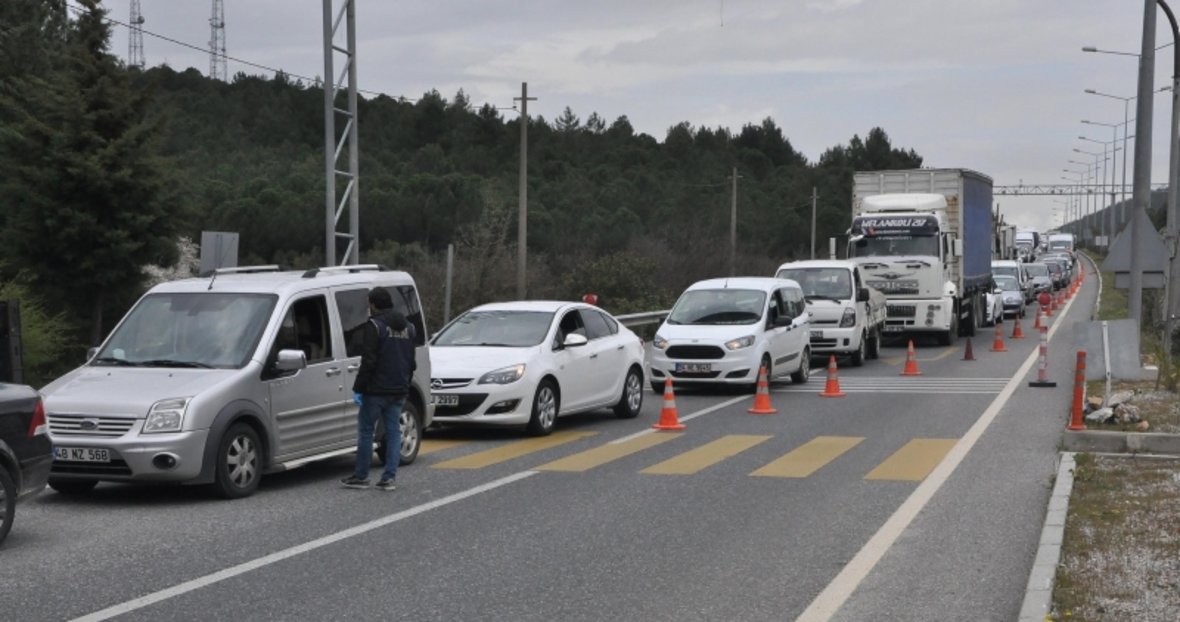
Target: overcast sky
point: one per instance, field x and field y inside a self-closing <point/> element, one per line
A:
<point x="992" y="85"/>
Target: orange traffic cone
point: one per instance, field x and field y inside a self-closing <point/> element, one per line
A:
<point x="968" y="353"/>
<point x="911" y="363"/>
<point x="1017" y="331"/>
<point x="998" y="344"/>
<point x="762" y="396"/>
<point x="832" y="388"/>
<point x="668" y="417"/>
<point x="1037" y="324"/>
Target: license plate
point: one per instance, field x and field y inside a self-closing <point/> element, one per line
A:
<point x="817" y="334"/>
<point x="894" y="329"/>
<point x="445" y="400"/>
<point x="81" y="454"/>
<point x="694" y="368"/>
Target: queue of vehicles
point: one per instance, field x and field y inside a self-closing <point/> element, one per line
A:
<point x="221" y="379"/>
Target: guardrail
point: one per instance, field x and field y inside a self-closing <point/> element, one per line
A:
<point x="642" y="319"/>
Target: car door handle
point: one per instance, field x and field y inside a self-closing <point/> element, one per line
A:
<point x="594" y="356"/>
<point x="619" y="348"/>
<point x="352" y="368"/>
<point x="332" y="371"/>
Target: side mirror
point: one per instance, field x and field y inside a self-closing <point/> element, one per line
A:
<point x="91" y="353"/>
<point x="862" y="294"/>
<point x="291" y="360"/>
<point x="998" y="290"/>
<point x="574" y="340"/>
<point x="957" y="247"/>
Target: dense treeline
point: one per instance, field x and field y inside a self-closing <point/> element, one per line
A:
<point x="101" y="164"/>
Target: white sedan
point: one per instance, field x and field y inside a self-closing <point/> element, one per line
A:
<point x="529" y="362"/>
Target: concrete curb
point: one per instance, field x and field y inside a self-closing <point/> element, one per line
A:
<point x="1103" y="441"/>
<point x="1038" y="595"/>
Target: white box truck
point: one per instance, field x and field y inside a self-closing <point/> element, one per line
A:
<point x="847" y="316"/>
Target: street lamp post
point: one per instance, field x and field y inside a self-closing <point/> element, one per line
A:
<point x="1110" y="220"/>
<point x="1083" y="192"/>
<point x="1173" y="225"/>
<point x="1100" y="197"/>
<point x="1141" y="195"/>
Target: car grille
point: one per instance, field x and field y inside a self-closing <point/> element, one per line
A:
<point x="89" y="425"/>
<point x="467" y="404"/>
<point x="442" y="384"/>
<point x="691" y="375"/>
<point x="823" y="343"/>
<point x="901" y="310"/>
<point x="115" y="467"/>
<point x="695" y="352"/>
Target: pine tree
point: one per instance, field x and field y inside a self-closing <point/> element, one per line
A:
<point x="84" y="187"/>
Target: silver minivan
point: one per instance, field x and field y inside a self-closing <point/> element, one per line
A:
<point x="217" y="380"/>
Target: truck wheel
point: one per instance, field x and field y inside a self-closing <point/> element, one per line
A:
<point x="858" y="356"/>
<point x="875" y="345"/>
<point x="239" y="461"/>
<point x="800" y="375"/>
<point x="7" y="502"/>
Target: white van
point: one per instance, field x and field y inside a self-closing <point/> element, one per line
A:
<point x="217" y="380"/>
<point x="721" y="331"/>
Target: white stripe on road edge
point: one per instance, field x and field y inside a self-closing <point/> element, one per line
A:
<point x="703" y="411"/>
<point x="221" y="575"/>
<point x="833" y="597"/>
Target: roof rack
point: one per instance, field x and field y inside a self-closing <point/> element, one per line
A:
<point x="365" y="267"/>
<point x="243" y="270"/>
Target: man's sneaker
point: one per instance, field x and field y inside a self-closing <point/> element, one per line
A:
<point x="353" y="481"/>
<point x="386" y="484"/>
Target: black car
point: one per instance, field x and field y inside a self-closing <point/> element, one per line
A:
<point x="25" y="449"/>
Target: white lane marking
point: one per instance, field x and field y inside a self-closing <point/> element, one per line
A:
<point x="833" y="597"/>
<point x="266" y="560"/>
<point x="690" y="417"/>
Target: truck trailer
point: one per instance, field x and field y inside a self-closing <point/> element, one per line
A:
<point x="924" y="238"/>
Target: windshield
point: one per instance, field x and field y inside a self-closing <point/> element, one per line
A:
<point x="1036" y="269"/>
<point x="213" y="329"/>
<point x="505" y="328"/>
<point x="1059" y="245"/>
<point x="835" y="283"/>
<point x="896" y="246"/>
<point x="1007" y="283"/>
<point x="719" y="306"/>
<point x="1012" y="271"/>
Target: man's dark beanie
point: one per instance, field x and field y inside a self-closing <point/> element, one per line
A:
<point x="380" y="298"/>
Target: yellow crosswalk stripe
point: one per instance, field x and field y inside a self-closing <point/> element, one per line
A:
<point x="599" y="456"/>
<point x="809" y="457"/>
<point x="914" y="461"/>
<point x="706" y="455"/>
<point x="435" y="445"/>
<point x="511" y="451"/>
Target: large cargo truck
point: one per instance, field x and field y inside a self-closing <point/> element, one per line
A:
<point x="924" y="238"/>
<point x="1028" y="242"/>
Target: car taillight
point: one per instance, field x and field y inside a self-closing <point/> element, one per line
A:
<point x="37" y="426"/>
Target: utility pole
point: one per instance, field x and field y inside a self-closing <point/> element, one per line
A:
<point x="814" y="198"/>
<point x="349" y="136"/>
<point x="522" y="227"/>
<point x="1142" y="190"/>
<point x="733" y="225"/>
<point x="217" y="64"/>
<point x="1172" y="306"/>
<point x="135" y="57"/>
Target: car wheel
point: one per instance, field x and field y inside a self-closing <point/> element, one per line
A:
<point x="545" y="405"/>
<point x="411" y="422"/>
<point x="72" y="486"/>
<point x="7" y="503"/>
<point x="875" y="345"/>
<point x="632" y="398"/>
<point x="239" y="460"/>
<point x="858" y="357"/>
<point x="799" y="376"/>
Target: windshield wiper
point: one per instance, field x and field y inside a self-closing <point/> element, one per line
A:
<point x="114" y="361"/>
<point x="174" y="363"/>
<point x="492" y="344"/>
<point x="820" y="297"/>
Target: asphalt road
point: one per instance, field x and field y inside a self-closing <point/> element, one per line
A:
<point x="911" y="498"/>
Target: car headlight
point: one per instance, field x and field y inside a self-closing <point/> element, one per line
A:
<point x="166" y="416"/>
<point x="659" y="343"/>
<point x="740" y="342"/>
<point x="506" y="375"/>
<point x="849" y="318"/>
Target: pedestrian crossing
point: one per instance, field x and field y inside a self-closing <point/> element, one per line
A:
<point x="912" y="385"/>
<point x="911" y="462"/>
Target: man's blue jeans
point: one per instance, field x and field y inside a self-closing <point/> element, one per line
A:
<point x="389" y="411"/>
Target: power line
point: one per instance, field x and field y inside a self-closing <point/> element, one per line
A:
<point x="202" y="50"/>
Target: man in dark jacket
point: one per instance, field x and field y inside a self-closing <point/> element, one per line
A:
<point x="381" y="386"/>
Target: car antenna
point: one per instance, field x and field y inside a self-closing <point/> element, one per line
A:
<point x="211" y="279"/>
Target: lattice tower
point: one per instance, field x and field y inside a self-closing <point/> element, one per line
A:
<point x="135" y="43"/>
<point x="217" y="64"/>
